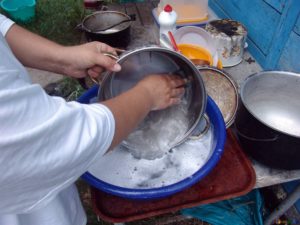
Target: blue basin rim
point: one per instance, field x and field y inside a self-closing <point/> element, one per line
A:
<point x="216" y="119"/>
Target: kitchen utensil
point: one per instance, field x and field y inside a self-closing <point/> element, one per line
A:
<point x="268" y="120"/>
<point x="197" y="36"/>
<point x="223" y="90"/>
<point x="117" y="36"/>
<point x="159" y="127"/>
<point x="195" y="53"/>
<point x="230" y="38"/>
<point x="173" y="41"/>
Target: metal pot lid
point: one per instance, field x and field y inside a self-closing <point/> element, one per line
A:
<point x="223" y="90"/>
<point x="103" y="19"/>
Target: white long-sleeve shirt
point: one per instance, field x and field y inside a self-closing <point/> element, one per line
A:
<point x="46" y="143"/>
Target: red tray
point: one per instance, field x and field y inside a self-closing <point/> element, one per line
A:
<point x="233" y="176"/>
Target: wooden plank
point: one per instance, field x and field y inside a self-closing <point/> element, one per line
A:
<point x="116" y="7"/>
<point x="130" y="9"/>
<point x="289" y="59"/>
<point x="283" y="31"/>
<point x="143" y="32"/>
<point x="297" y="26"/>
<point x="276" y="4"/>
<point x="145" y="11"/>
<point x="260" y="19"/>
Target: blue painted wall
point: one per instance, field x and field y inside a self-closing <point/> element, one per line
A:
<point x="273" y="29"/>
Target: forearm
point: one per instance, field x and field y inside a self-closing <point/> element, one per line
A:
<point x="33" y="50"/>
<point x="128" y="109"/>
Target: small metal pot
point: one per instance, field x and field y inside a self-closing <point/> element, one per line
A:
<point x="156" y="60"/>
<point x="230" y="40"/>
<point x="110" y="27"/>
<point x="268" y="120"/>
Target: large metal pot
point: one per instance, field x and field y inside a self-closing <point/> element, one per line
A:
<point x="110" y="27"/>
<point x="155" y="60"/>
<point x="268" y="120"/>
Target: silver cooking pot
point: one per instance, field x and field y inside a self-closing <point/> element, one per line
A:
<point x="268" y="120"/>
<point x="110" y="27"/>
<point x="156" y="60"/>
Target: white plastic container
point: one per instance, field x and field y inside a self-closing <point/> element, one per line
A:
<point x="188" y="11"/>
<point x="167" y="20"/>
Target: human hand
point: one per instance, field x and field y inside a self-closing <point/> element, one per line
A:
<point x="88" y="59"/>
<point x="164" y="90"/>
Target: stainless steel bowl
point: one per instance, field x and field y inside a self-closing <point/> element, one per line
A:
<point x="155" y="60"/>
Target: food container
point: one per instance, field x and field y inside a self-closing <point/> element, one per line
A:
<point x="192" y="11"/>
<point x="200" y="37"/>
<point x="196" y="54"/>
<point x="230" y="38"/>
<point x="268" y="119"/>
<point x="153" y="179"/>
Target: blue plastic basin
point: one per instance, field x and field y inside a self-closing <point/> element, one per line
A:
<point x="219" y="136"/>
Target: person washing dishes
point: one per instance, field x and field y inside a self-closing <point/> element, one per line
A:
<point x="47" y="143"/>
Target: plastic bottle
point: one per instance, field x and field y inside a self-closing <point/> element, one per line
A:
<point x="167" y="20"/>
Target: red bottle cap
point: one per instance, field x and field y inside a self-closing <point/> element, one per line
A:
<point x="168" y="8"/>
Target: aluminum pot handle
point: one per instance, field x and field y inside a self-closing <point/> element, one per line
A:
<point x="97" y="80"/>
<point x="81" y="27"/>
<point x="255" y="139"/>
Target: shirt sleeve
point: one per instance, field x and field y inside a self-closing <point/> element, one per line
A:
<point x="5" y="24"/>
<point x="46" y="143"/>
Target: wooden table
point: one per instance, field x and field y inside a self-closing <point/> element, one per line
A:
<point x="145" y="31"/>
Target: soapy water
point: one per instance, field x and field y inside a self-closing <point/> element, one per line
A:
<point x="158" y="133"/>
<point x="122" y="169"/>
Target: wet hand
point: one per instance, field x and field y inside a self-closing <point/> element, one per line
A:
<point x="164" y="90"/>
<point x="88" y="60"/>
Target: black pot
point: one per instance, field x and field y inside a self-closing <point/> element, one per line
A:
<point x="268" y="118"/>
<point x="110" y="27"/>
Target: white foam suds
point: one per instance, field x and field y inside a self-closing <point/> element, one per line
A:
<point x="159" y="132"/>
<point x="121" y="168"/>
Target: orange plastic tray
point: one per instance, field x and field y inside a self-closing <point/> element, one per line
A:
<point x="232" y="177"/>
